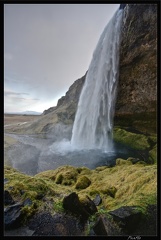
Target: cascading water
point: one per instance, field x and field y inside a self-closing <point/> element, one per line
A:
<point x="93" y="123"/>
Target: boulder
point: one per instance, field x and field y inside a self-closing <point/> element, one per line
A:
<point x="8" y="198"/>
<point x="82" y="182"/>
<point x="88" y="205"/>
<point x="72" y="204"/>
<point x="83" y="209"/>
<point x="12" y="216"/>
<point x="97" y="200"/>
<point x="44" y="224"/>
<point x="127" y="217"/>
<point x="105" y="227"/>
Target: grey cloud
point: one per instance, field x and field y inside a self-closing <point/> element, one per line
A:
<point x="9" y="93"/>
<point x="52" y="45"/>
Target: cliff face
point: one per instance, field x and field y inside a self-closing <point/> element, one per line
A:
<point x="138" y="60"/>
<point x="136" y="103"/>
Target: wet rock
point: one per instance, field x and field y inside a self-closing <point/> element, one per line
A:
<point x="21" y="231"/>
<point x="8" y="198"/>
<point x="72" y="204"/>
<point x="89" y="205"/>
<point x="12" y="216"/>
<point x="127" y="217"/>
<point x="98" y="200"/>
<point x="5" y="180"/>
<point x="105" y="227"/>
<point x="150" y="220"/>
<point x="44" y="224"/>
<point x="22" y="192"/>
<point x="27" y="202"/>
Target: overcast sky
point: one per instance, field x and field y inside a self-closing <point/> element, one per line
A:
<point x="46" y="48"/>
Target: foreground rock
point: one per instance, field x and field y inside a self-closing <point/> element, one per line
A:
<point x="44" y="224"/>
<point x="8" y="198"/>
<point x="105" y="227"/>
<point x="13" y="216"/>
<point x="127" y="217"/>
<point x="72" y="204"/>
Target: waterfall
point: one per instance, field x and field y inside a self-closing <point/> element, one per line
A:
<point x="93" y="123"/>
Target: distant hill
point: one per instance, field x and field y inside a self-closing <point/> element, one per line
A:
<point x="25" y="113"/>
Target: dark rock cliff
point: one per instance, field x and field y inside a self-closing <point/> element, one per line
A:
<point x="137" y="88"/>
<point x="136" y="104"/>
<point x="138" y="60"/>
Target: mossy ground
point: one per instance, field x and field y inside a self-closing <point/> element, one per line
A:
<point x="121" y="185"/>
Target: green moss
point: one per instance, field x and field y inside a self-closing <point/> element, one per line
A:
<point x="59" y="179"/>
<point x="84" y="170"/>
<point x="120" y="161"/>
<point x="101" y="168"/>
<point x="133" y="140"/>
<point x="109" y="191"/>
<point x="58" y="206"/>
<point x="82" y="182"/>
<point x="93" y="192"/>
<point x="66" y="175"/>
<point x="28" y="211"/>
<point x="153" y="154"/>
<point x="152" y="140"/>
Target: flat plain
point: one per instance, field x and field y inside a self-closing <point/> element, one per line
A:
<point x="10" y="119"/>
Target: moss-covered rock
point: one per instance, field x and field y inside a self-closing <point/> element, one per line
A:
<point x="133" y="140"/>
<point x="59" y="179"/>
<point x="82" y="182"/>
<point x="153" y="154"/>
<point x="66" y="175"/>
<point x="111" y="191"/>
<point x="120" y="161"/>
<point x="84" y="170"/>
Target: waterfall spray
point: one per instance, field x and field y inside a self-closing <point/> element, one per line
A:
<point x="93" y="123"/>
